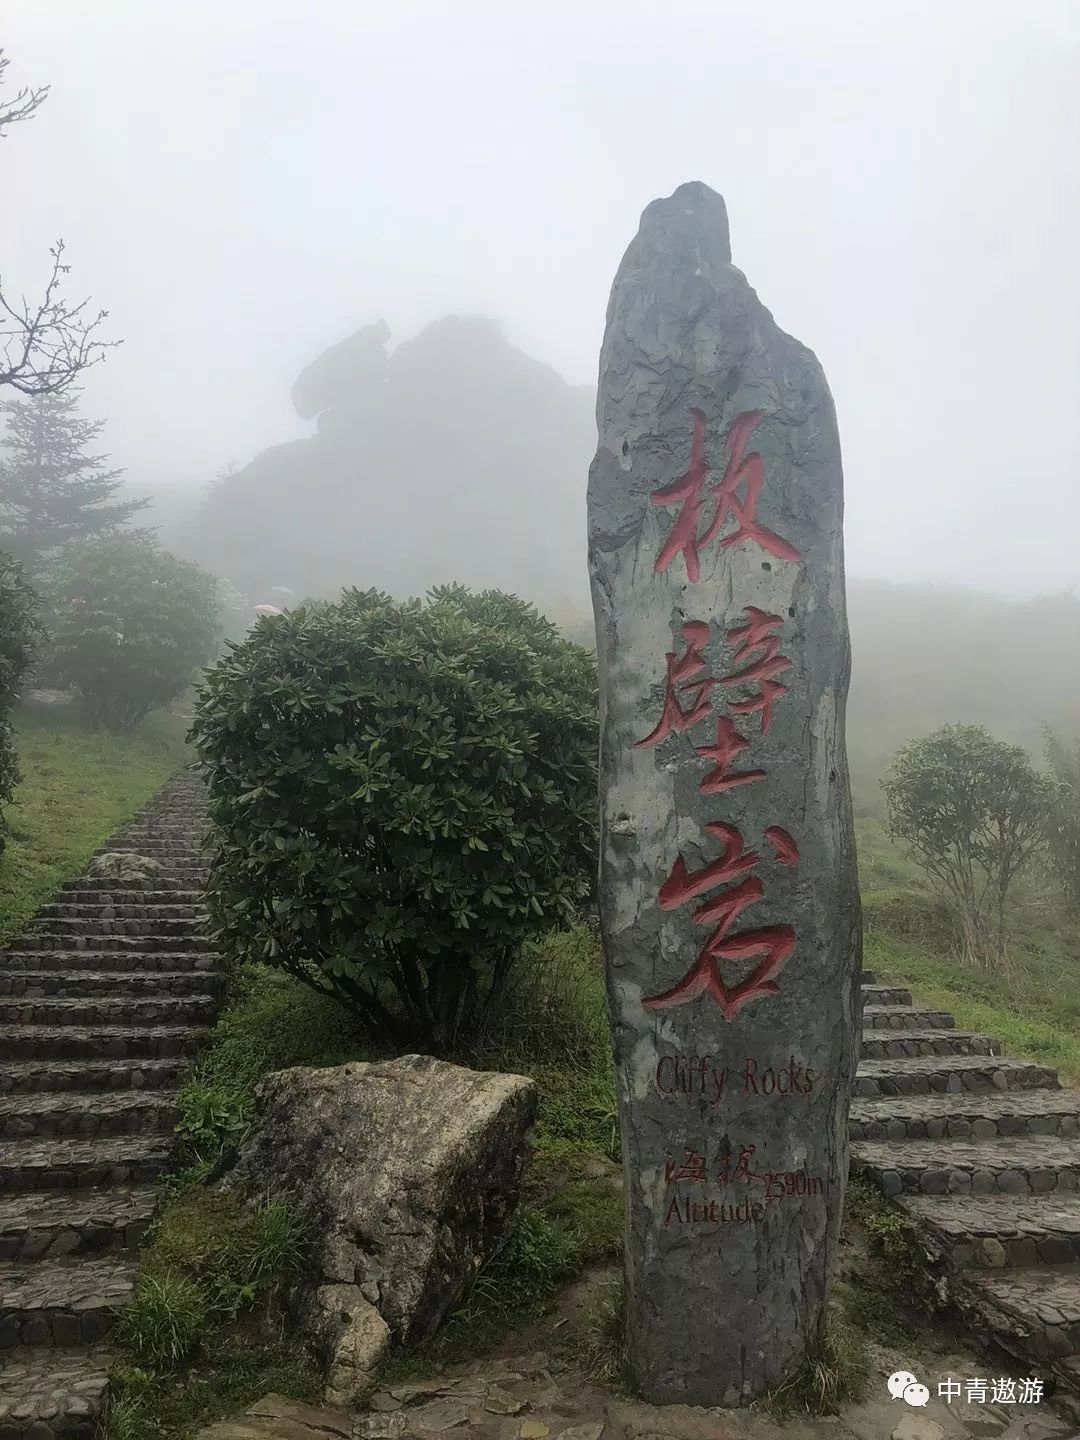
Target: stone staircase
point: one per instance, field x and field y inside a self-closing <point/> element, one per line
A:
<point x="102" y="1007"/>
<point x="983" y="1153"/>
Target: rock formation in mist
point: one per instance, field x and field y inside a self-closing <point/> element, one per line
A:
<point x="453" y="457"/>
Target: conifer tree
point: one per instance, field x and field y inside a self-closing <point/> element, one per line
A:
<point x="53" y="489"/>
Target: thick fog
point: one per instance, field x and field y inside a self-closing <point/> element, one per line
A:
<point x="245" y="184"/>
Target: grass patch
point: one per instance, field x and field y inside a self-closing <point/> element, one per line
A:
<point x="78" y="786"/>
<point x="211" y="1259"/>
<point x="889" y="1292"/>
<point x="834" y="1372"/>
<point x="603" y="1346"/>
<point x="153" y="1405"/>
<point x="1032" y="1013"/>
<point x="273" y="1022"/>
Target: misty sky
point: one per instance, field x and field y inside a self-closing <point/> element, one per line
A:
<point x="244" y="182"/>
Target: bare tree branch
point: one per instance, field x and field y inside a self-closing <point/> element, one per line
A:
<point x="44" y="346"/>
<point x="24" y="103"/>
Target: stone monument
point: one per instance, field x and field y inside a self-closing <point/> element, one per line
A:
<point x="728" y="896"/>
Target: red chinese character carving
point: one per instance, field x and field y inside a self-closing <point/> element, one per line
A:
<point x="682" y="884"/>
<point x="773" y="943"/>
<point x="742" y="1167"/>
<point x="756" y="638"/>
<point x="691" y="1171"/>
<point x="680" y="674"/>
<point x="787" y="851"/>
<point x="691" y="492"/>
<point x="729" y="743"/>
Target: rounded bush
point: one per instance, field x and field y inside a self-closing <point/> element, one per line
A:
<point x="404" y="793"/>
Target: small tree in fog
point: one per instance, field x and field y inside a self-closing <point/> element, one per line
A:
<point x="132" y="626"/>
<point x="972" y="811"/>
<point x="53" y="490"/>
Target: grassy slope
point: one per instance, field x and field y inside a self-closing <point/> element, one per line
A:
<point x="78" y="786"/>
<point x="1034" y="1009"/>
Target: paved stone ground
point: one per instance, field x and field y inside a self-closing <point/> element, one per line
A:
<point x="102" y="1006"/>
<point x="533" y="1394"/>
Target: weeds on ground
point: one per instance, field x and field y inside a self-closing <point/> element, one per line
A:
<point x="211" y="1259"/>
<point x="272" y="1023"/>
<point x="157" y="1405"/>
<point x="834" y="1371"/>
<point x="893" y="1296"/>
<point x="603" y="1345"/>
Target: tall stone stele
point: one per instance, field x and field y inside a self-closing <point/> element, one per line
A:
<point x="728" y="895"/>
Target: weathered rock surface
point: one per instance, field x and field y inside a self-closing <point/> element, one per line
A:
<point x="405" y="1172"/>
<point x="715" y="545"/>
<point x="123" y="865"/>
<point x="347" y="374"/>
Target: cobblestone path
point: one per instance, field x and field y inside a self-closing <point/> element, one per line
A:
<point x="102" y="1007"/>
<point x="984" y="1153"/>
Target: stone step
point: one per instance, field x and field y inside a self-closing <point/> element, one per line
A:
<point x="73" y="983"/>
<point x="45" y="1077"/>
<point x="117" y="897"/>
<point x="95" y="1221"/>
<point x="867" y="978"/>
<point x="157" y="927"/>
<point x="99" y="1042"/>
<point x="1033" y="1314"/>
<point x="59" y="1114"/>
<point x="159" y="850"/>
<point x="1031" y="1165"/>
<point x="954" y="1074"/>
<point x="55" y="1392"/>
<point x="133" y="944"/>
<point x="43" y="1164"/>
<point x="86" y="886"/>
<point x="999" y="1231"/>
<point x="905" y="1017"/>
<point x="110" y="1010"/>
<point x="98" y="908"/>
<point x="962" y="1117"/>
<point x="165" y="826"/>
<point x="890" y="1045"/>
<point x="885" y="995"/>
<point x="61" y="1302"/>
<point x="108" y="962"/>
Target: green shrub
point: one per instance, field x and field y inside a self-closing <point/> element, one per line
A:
<point x="404" y="794"/>
<point x="20" y="634"/>
<point x="132" y="625"/>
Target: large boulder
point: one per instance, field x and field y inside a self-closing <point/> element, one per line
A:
<point x="404" y="1172"/>
<point x="123" y="865"/>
